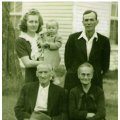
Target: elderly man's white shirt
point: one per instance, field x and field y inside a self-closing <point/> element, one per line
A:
<point x="42" y="99"/>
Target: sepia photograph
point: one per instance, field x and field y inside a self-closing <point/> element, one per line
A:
<point x="60" y="60"/>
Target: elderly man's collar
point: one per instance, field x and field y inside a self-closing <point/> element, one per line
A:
<point x="83" y="35"/>
<point x="44" y="86"/>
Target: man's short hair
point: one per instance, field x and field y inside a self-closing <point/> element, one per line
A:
<point x="48" y="66"/>
<point x="86" y="64"/>
<point x="89" y="11"/>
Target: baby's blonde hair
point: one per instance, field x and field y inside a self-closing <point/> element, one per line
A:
<point x="54" y="21"/>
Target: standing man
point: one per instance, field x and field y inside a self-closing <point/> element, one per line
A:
<point x="87" y="46"/>
<point x="86" y="101"/>
<point x="41" y="100"/>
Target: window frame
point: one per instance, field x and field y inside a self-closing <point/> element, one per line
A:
<point x="112" y="18"/>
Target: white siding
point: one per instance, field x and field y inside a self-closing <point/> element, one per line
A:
<point x="60" y="11"/>
<point x="114" y="58"/>
<point x="103" y="10"/>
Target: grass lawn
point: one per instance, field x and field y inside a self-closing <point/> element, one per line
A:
<point x="8" y="103"/>
<point x="111" y="94"/>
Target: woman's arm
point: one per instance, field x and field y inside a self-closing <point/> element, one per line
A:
<point x="101" y="110"/>
<point x="29" y="63"/>
<point x="74" y="112"/>
<point x="22" y="49"/>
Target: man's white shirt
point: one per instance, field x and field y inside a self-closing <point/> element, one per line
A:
<point x="88" y="42"/>
<point x="42" y="99"/>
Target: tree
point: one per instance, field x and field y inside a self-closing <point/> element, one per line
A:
<point x="11" y="72"/>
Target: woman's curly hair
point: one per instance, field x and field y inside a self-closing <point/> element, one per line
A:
<point x="23" y="22"/>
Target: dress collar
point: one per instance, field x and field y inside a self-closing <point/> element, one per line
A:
<point x="27" y="37"/>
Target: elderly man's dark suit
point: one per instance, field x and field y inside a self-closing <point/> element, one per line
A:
<point x="27" y="100"/>
<point x="76" y="54"/>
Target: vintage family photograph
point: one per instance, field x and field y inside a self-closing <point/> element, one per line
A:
<point x="60" y="60"/>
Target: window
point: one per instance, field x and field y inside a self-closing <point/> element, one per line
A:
<point x="15" y="13"/>
<point x="114" y="23"/>
<point x="15" y="6"/>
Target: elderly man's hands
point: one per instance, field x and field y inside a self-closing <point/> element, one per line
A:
<point x="89" y="115"/>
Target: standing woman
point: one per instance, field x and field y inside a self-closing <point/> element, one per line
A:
<point x="26" y="44"/>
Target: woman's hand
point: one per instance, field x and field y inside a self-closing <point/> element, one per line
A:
<point x="46" y="45"/>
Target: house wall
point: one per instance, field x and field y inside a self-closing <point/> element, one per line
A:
<point x="69" y="17"/>
<point x="114" y="58"/>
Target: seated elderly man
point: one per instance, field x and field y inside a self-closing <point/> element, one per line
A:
<point x="86" y="101"/>
<point x="41" y="100"/>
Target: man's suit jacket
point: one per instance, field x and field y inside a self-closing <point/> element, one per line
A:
<point x="76" y="54"/>
<point x="28" y="96"/>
